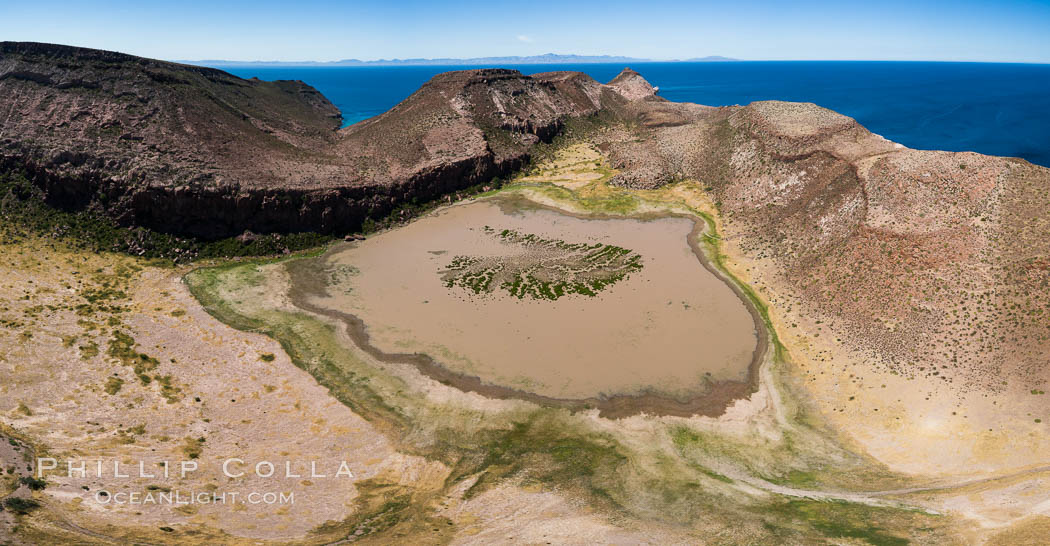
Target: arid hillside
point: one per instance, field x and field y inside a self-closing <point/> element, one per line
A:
<point x="927" y="264"/>
<point x="198" y="151"/>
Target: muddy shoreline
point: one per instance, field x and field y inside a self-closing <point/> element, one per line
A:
<point x="309" y="279"/>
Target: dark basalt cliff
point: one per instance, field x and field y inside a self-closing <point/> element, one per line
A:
<point x="198" y="151"/>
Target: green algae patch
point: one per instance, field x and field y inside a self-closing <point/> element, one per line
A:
<point x="545" y="449"/>
<point x="548" y="269"/>
<point x="846" y="520"/>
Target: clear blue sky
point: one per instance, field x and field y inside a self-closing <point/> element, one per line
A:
<point x="1007" y="30"/>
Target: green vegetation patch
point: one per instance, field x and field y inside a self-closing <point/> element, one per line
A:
<point x="543" y="269"/>
<point x="20" y="506"/>
<point x="35" y="484"/>
<point x="839" y="519"/>
<point x="113" y="385"/>
<point x="89" y="350"/>
<point x="168" y="390"/>
<point x="122" y="347"/>
<point x="542" y="450"/>
<point x="192" y="448"/>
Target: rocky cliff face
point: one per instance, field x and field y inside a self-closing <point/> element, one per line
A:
<point x="198" y="151"/>
<point x="111" y="129"/>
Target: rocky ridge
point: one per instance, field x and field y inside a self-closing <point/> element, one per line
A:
<point x="198" y="151"/>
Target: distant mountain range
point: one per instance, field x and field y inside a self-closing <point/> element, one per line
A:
<point x="549" y="58"/>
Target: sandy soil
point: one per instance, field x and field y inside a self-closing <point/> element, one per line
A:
<point x="235" y="391"/>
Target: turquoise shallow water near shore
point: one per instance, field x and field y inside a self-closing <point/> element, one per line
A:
<point x="996" y="109"/>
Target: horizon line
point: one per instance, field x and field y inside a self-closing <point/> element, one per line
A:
<point x="554" y="58"/>
<point x="544" y="58"/>
<point x="695" y="60"/>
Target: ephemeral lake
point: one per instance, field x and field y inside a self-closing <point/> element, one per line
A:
<point x="508" y="298"/>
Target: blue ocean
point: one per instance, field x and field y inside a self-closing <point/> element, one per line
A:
<point x="996" y="109"/>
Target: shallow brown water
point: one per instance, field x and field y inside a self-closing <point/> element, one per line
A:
<point x="670" y="327"/>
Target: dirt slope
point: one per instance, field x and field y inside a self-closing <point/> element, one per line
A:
<point x="928" y="267"/>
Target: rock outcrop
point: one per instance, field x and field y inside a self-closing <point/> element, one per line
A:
<point x="198" y="151"/>
<point x="632" y="85"/>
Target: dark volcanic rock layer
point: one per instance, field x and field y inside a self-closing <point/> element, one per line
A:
<point x="198" y="151"/>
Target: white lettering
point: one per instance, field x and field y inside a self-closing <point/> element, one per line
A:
<point x="45" y="463"/>
<point x="142" y="471"/>
<point x="288" y="470"/>
<point x="80" y="469"/>
<point x="188" y="466"/>
<point x="226" y="468"/>
<point x="260" y="465"/>
<point x="313" y="471"/>
<point x="116" y="471"/>
<point x="344" y="470"/>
